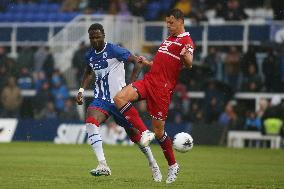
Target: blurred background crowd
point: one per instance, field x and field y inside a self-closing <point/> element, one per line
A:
<point x="222" y="73"/>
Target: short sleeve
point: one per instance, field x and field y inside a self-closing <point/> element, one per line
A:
<point x="188" y="40"/>
<point x="121" y="53"/>
<point x="87" y="57"/>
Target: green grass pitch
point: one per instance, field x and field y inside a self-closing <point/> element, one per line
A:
<point x="46" y="165"/>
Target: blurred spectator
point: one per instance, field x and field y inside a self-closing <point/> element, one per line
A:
<point x="252" y="82"/>
<point x="70" y="111"/>
<point x="271" y="70"/>
<point x="184" y="5"/>
<point x="213" y="62"/>
<point x="42" y="97"/>
<point x="25" y="80"/>
<point x="59" y="93"/>
<point x="230" y="117"/>
<point x="232" y="67"/>
<point x="3" y="76"/>
<point x="12" y="67"/>
<point x="195" y="114"/>
<point x="253" y="122"/>
<point x="44" y="61"/>
<point x="48" y="112"/>
<point x="123" y="8"/>
<point x="39" y="80"/>
<point x="48" y="64"/>
<point x="273" y="117"/>
<point x="137" y="7"/>
<point x="25" y="59"/>
<point x="263" y="104"/>
<point x="99" y="6"/>
<point x="70" y="5"/>
<point x="3" y="55"/>
<point x="248" y="58"/>
<point x="78" y="62"/>
<point x="11" y="99"/>
<point x="233" y="11"/>
<point x="40" y="57"/>
<point x="213" y="102"/>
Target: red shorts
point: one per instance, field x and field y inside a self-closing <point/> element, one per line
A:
<point x="157" y="97"/>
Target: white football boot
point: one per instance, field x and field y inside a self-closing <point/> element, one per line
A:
<point x="101" y="170"/>
<point x="146" y="138"/>
<point x="156" y="173"/>
<point x="172" y="174"/>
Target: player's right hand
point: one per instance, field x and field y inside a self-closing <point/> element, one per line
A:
<point x="79" y="98"/>
<point x="144" y="61"/>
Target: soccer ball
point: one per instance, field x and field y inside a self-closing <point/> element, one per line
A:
<point x="183" y="142"/>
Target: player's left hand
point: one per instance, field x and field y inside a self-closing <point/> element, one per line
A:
<point x="79" y="98"/>
<point x="186" y="49"/>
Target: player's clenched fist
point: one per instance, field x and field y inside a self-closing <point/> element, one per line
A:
<point x="186" y="49"/>
<point x="144" y="61"/>
<point x="79" y="98"/>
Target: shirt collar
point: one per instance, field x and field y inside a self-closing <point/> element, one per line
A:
<point x="183" y="34"/>
<point x="101" y="50"/>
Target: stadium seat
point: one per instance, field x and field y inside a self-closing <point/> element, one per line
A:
<point x="43" y="8"/>
<point x="31" y="8"/>
<point x="7" y="17"/>
<point x="152" y="11"/>
<point x="52" y="17"/>
<point x="18" y="17"/>
<point x="53" y="8"/>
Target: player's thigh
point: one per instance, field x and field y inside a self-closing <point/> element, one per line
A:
<point x="98" y="115"/>
<point x="119" y="118"/>
<point x="158" y="127"/>
<point x="99" y="109"/>
<point x="158" y="104"/>
<point x="128" y="93"/>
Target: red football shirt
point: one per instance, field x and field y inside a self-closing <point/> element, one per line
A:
<point x="167" y="62"/>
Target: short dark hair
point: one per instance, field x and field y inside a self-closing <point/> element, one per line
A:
<point x="177" y="13"/>
<point x="97" y="26"/>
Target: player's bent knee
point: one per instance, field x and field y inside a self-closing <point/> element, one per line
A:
<point x="92" y="120"/>
<point x="159" y="132"/>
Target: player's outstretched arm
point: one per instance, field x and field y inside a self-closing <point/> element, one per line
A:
<point x="137" y="67"/>
<point x="85" y="82"/>
<point x="145" y="61"/>
<point x="187" y="55"/>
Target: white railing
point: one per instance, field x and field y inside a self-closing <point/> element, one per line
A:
<point x="118" y="29"/>
<point x="194" y="95"/>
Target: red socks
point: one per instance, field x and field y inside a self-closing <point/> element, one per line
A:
<point x="131" y="114"/>
<point x="166" y="145"/>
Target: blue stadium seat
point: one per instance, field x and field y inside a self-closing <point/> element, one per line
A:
<point x="166" y="4"/>
<point x="40" y="17"/>
<point x="152" y="11"/>
<point x="52" y="17"/>
<point x="18" y="17"/>
<point x="29" y="17"/>
<point x="53" y="7"/>
<point x="7" y="17"/>
<point x="31" y="8"/>
<point x="2" y="17"/>
<point x="17" y="8"/>
<point x="43" y="8"/>
<point x="62" y="17"/>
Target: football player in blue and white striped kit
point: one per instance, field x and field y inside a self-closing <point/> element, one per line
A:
<point x="106" y="61"/>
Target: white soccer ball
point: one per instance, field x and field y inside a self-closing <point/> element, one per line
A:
<point x="183" y="142"/>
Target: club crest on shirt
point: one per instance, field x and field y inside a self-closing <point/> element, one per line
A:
<point x="104" y="54"/>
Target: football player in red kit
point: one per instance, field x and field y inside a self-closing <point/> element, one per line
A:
<point x="158" y="84"/>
